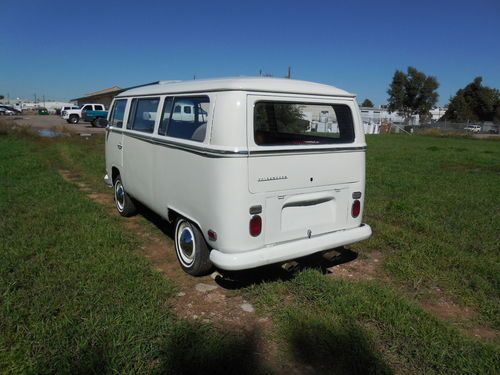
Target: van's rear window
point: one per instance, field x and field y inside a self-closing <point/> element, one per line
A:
<point x="282" y="123"/>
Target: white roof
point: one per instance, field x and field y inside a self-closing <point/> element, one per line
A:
<point x="260" y="84"/>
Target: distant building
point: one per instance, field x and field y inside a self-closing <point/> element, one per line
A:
<point x="437" y="113"/>
<point x="382" y="114"/>
<point x="102" y="97"/>
<point x="105" y="96"/>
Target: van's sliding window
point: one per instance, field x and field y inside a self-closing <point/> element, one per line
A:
<point x="143" y="114"/>
<point x="186" y="118"/>
<point x="282" y="123"/>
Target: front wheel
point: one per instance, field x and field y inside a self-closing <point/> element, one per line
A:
<point x="123" y="202"/>
<point x="74" y="119"/>
<point x="191" y="249"/>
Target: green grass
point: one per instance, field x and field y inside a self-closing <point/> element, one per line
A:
<point x="344" y="327"/>
<point x="75" y="297"/>
<point x="434" y="205"/>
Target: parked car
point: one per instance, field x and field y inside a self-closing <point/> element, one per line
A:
<point x="8" y="110"/>
<point x="243" y="178"/>
<point x="473" y="128"/>
<point x="493" y="131"/>
<point x="94" y="116"/>
<point x="74" y="116"/>
<point x="43" y="111"/>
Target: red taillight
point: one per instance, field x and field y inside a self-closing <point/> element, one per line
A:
<point x="255" y="225"/>
<point x="356" y="208"/>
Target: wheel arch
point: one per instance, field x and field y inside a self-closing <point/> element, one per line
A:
<point x="115" y="172"/>
<point x="173" y="214"/>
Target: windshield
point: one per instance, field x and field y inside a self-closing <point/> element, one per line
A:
<point x="282" y="123"/>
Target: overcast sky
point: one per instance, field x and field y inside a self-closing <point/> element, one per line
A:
<point x="64" y="49"/>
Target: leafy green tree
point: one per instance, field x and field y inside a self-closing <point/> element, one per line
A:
<point x="367" y="103"/>
<point x="412" y="93"/>
<point x="474" y="102"/>
<point x="1" y="97"/>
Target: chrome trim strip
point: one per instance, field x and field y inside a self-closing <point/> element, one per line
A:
<point x="209" y="152"/>
<point x="203" y="151"/>
<point x="308" y="151"/>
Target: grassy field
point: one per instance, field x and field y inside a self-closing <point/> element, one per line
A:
<point x="74" y="295"/>
<point x="434" y="204"/>
<point x="82" y="300"/>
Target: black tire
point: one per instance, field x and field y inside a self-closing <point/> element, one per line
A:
<point x="123" y="202"/>
<point x="93" y="122"/>
<point x="69" y="122"/>
<point x="191" y="248"/>
<point x="74" y="119"/>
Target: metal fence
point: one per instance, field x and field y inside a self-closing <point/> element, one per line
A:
<point x="446" y="126"/>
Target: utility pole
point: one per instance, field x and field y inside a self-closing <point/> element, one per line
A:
<point x="260" y="73"/>
<point x="289" y="72"/>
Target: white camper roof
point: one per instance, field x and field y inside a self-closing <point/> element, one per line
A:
<point x="259" y="84"/>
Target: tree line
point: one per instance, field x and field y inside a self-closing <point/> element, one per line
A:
<point x="415" y="93"/>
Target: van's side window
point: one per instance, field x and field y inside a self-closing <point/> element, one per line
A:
<point x="143" y="114"/>
<point x="165" y="117"/>
<point x="99" y="108"/>
<point x="282" y="123"/>
<point x="189" y="118"/>
<point x="118" y="113"/>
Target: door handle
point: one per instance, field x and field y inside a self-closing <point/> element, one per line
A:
<point x="119" y="145"/>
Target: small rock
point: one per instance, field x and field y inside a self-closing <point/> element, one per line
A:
<point x="247" y="307"/>
<point x="181" y="294"/>
<point x="195" y="316"/>
<point x="263" y="320"/>
<point x="204" y="288"/>
<point x="206" y="320"/>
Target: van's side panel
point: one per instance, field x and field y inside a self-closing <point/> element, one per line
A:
<point x="138" y="162"/>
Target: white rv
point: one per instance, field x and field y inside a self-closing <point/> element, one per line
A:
<point x="237" y="166"/>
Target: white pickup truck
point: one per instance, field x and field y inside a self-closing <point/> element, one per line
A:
<point x="73" y="116"/>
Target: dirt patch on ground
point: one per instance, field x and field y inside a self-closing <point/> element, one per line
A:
<point x="367" y="267"/>
<point x="461" y="317"/>
<point x="199" y="298"/>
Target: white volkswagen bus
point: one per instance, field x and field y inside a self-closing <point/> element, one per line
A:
<point x="252" y="171"/>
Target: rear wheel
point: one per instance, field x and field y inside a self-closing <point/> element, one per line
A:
<point x="191" y="249"/>
<point x="74" y="119"/>
<point x="123" y="202"/>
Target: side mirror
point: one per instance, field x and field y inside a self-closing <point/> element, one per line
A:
<point x="102" y="122"/>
